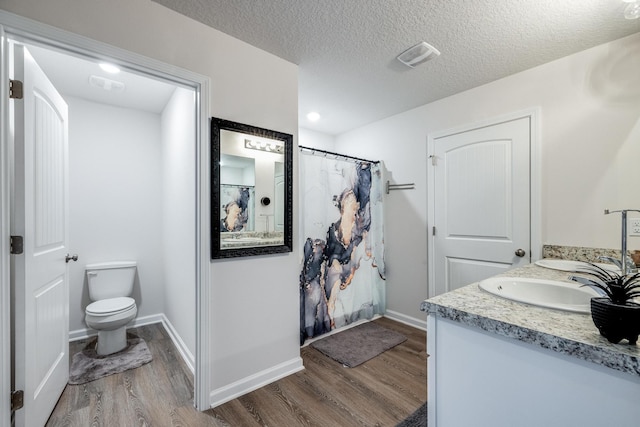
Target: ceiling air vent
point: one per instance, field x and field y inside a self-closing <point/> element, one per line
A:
<point x="415" y="55"/>
<point x="106" y="84"/>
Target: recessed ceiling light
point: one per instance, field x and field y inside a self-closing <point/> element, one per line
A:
<point x="313" y="116"/>
<point x="632" y="11"/>
<point x="109" y="68"/>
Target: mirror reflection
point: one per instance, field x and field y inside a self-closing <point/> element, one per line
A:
<point x="237" y="193"/>
<point x="250" y="201"/>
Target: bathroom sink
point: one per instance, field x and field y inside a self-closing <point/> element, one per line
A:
<point x="543" y="293"/>
<point x="570" y="265"/>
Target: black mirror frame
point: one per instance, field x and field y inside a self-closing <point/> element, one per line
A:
<point x="216" y="250"/>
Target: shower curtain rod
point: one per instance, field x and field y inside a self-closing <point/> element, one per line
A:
<point x="316" y="150"/>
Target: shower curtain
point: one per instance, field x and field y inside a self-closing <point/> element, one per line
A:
<point x="342" y="278"/>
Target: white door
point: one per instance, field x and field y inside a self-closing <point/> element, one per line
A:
<point x="40" y="214"/>
<point x="482" y="203"/>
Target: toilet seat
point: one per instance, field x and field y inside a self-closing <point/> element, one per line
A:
<point x="110" y="306"/>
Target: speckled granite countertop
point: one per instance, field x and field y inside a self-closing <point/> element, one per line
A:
<point x="568" y="333"/>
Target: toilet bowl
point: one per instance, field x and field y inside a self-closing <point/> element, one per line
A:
<point x="110" y="285"/>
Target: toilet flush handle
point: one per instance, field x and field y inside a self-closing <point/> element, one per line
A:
<point x="68" y="257"/>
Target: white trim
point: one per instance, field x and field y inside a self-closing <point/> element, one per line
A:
<point x="187" y="356"/>
<point x="5" y="256"/>
<point x="414" y="322"/>
<point x="203" y="368"/>
<point x="431" y="214"/>
<point x="33" y="32"/>
<point x="81" y="334"/>
<point x="432" y="360"/>
<point x="27" y="30"/>
<point x="535" y="185"/>
<point x="255" y="381"/>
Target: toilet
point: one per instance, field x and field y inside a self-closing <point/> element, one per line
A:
<point x="110" y="286"/>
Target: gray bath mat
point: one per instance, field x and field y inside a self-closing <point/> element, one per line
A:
<point x="417" y="419"/>
<point x="88" y="366"/>
<point x="354" y="346"/>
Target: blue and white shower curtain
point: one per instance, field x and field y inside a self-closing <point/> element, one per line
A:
<point x="342" y="278"/>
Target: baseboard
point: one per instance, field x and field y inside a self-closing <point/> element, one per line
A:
<point x="147" y="320"/>
<point x="80" y="334"/>
<point x="254" y="382"/>
<point x="187" y="356"/>
<point x="407" y="320"/>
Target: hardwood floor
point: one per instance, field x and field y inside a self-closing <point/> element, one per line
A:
<point x="380" y="392"/>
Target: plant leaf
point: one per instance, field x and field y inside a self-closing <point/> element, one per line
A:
<point x="593" y="284"/>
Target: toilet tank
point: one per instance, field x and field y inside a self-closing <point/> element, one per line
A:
<point x="110" y="279"/>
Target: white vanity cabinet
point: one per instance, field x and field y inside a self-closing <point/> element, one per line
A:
<point x="494" y="362"/>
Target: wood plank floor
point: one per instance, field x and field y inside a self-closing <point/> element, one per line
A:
<point x="380" y="392"/>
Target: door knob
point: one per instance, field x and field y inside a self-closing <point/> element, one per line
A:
<point x="520" y="252"/>
<point x="68" y="257"/>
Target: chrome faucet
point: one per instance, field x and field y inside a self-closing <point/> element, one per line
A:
<point x="625" y="262"/>
<point x="630" y="264"/>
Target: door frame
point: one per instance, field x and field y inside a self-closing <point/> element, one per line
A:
<point x="534" y="181"/>
<point x="28" y="31"/>
<point x="5" y="194"/>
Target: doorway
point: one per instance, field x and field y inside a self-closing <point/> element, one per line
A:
<point x="482" y="201"/>
<point x="197" y="85"/>
<point x="131" y="185"/>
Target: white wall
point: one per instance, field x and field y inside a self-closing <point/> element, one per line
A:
<point x="238" y="176"/>
<point x="265" y="187"/>
<point x="179" y="215"/>
<point x="589" y="136"/>
<point x="117" y="155"/>
<point x="115" y="198"/>
<point x="314" y="139"/>
<point x="254" y="326"/>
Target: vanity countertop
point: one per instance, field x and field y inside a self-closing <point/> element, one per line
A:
<point x="251" y="239"/>
<point x="568" y="333"/>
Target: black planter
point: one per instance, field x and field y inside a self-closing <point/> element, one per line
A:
<point x="616" y="321"/>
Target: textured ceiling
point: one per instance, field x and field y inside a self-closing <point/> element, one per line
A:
<point x="346" y="49"/>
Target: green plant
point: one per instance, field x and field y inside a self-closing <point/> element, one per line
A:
<point x="618" y="288"/>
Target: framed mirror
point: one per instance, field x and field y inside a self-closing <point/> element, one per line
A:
<point x="251" y="190"/>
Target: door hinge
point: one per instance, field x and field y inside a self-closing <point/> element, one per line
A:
<point x="16" y="245"/>
<point x="433" y="231"/>
<point x="15" y="89"/>
<point x="17" y="400"/>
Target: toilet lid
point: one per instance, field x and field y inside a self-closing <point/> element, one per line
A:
<point x="111" y="305"/>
